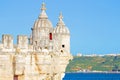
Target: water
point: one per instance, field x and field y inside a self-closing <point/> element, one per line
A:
<point x="92" y="76"/>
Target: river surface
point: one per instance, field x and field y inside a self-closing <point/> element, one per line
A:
<point x="92" y="76"/>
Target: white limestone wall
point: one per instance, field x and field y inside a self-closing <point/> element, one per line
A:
<point x="6" y="67"/>
<point x="19" y="64"/>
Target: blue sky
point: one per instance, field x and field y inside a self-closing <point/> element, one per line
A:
<point x="94" y="24"/>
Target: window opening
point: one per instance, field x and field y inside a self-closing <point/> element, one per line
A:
<point x="50" y="36"/>
<point x="63" y="46"/>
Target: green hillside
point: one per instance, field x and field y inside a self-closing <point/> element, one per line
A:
<point x="105" y="63"/>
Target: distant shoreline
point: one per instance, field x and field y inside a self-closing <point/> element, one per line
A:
<point x="106" y="64"/>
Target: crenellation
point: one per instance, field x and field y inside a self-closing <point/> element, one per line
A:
<point x="22" y="41"/>
<point x="7" y="41"/>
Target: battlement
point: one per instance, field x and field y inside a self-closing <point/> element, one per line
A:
<point x="7" y="41"/>
<point x="7" y="44"/>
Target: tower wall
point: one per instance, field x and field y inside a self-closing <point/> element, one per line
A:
<point x="62" y="43"/>
<point x="40" y="35"/>
<point x="65" y="43"/>
<point x="6" y="67"/>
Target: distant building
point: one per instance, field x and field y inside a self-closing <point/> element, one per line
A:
<point x="111" y="54"/>
<point x="79" y="54"/>
<point x="90" y="55"/>
<point x="43" y="56"/>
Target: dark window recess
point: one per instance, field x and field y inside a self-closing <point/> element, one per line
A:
<point x="63" y="46"/>
<point x="29" y="40"/>
<point x="50" y="36"/>
<point x="35" y="42"/>
<point x="15" y="77"/>
<point x="46" y="47"/>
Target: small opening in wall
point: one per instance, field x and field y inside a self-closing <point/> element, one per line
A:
<point x="29" y="40"/>
<point x="46" y="47"/>
<point x="63" y="46"/>
<point x="62" y="51"/>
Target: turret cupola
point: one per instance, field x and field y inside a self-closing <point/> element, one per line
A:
<point x="43" y="12"/>
<point x="42" y="28"/>
<point x="61" y="27"/>
<point x="43" y="20"/>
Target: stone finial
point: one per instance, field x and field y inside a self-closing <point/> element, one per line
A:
<point x="60" y="16"/>
<point x="43" y="8"/>
<point x="61" y="19"/>
<point x="43" y="11"/>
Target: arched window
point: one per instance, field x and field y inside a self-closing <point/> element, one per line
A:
<point x="50" y="36"/>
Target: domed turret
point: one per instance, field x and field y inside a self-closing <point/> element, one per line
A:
<point x="62" y="37"/>
<point x="42" y="29"/>
<point x="61" y="28"/>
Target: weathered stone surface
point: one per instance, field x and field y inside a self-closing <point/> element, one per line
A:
<point x="43" y="57"/>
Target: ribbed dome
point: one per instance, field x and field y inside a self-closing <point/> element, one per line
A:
<point x="42" y="23"/>
<point x="61" y="28"/>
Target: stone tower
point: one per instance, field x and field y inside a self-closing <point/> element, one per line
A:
<point x="41" y="30"/>
<point x="42" y="56"/>
<point x="62" y="37"/>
